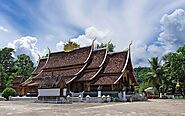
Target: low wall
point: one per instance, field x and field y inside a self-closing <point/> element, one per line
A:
<point x="2" y="98"/>
<point x="89" y="99"/>
<point x="23" y="98"/>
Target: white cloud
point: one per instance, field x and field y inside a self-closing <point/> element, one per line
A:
<point x="26" y="45"/>
<point x="3" y="29"/>
<point x="173" y="30"/>
<point x="60" y="46"/>
<point x="93" y="33"/>
<point x="87" y="38"/>
<point x="172" y="36"/>
<point x="126" y="21"/>
<point x="155" y="50"/>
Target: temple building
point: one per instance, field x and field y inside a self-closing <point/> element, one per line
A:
<point x="83" y="69"/>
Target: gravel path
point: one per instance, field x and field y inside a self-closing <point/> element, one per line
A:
<point x="150" y="108"/>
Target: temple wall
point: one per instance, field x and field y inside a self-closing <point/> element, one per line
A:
<point x="49" y="92"/>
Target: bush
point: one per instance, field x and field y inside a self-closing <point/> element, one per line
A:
<point x="116" y="100"/>
<point x="8" y="92"/>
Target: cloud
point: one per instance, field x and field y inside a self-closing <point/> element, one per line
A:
<point x="171" y="37"/>
<point x="60" y="46"/>
<point x="125" y="20"/>
<point x="87" y="38"/>
<point x="26" y="45"/>
<point x="173" y="30"/>
<point x="3" y="29"/>
<point x="120" y="21"/>
<point x="93" y="33"/>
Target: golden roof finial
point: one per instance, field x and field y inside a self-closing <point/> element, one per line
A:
<point x="70" y="45"/>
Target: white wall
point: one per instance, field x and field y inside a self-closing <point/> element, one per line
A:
<point x="49" y="92"/>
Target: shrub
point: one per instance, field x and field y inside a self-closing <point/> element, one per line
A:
<point x="116" y="100"/>
<point x="8" y="92"/>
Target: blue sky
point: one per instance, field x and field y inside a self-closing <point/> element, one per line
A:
<point x="155" y="27"/>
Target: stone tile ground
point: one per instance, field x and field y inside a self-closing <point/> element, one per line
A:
<point x="151" y="108"/>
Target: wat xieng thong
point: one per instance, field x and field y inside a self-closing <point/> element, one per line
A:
<point x="83" y="70"/>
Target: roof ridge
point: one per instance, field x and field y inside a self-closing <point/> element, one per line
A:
<point x="70" y="51"/>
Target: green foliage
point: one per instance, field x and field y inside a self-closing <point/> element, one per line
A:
<point x="9" y="67"/>
<point x="154" y="75"/>
<point x="8" y="92"/>
<point x="144" y="86"/>
<point x="116" y="99"/>
<point x="165" y="75"/>
<point x="23" y="65"/>
<point x="174" y="67"/>
<point x="140" y="73"/>
<point x="110" y="46"/>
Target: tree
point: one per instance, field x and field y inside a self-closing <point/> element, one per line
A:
<point x="140" y="72"/>
<point x="174" y="67"/>
<point x="6" y="59"/>
<point x="8" y="92"/>
<point x="154" y="75"/>
<point x="70" y="46"/>
<point x="24" y="66"/>
<point x="109" y="45"/>
<point x="7" y="68"/>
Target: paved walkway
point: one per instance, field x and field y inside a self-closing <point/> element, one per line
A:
<point x="151" y="108"/>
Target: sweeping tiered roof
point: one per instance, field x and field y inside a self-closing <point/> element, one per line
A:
<point x="81" y="65"/>
<point x="116" y="64"/>
<point x="113" y="67"/>
<point x="31" y="80"/>
<point x="95" y="65"/>
<point x="64" y="66"/>
<point x="17" y="81"/>
<point x="39" y="67"/>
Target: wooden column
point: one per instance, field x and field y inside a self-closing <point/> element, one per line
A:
<point x="112" y="87"/>
<point x="88" y="87"/>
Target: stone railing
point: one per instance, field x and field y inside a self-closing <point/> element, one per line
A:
<point x="73" y="94"/>
<point x="89" y="99"/>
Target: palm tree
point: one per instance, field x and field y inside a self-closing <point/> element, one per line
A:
<point x="154" y="75"/>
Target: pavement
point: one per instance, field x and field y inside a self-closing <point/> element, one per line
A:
<point x="150" y="108"/>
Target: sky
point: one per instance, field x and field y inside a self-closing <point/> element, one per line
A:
<point x="154" y="27"/>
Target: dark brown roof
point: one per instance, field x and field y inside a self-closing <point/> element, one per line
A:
<point x="17" y="81"/>
<point x="106" y="80"/>
<point x="131" y="72"/>
<point x="83" y="64"/>
<point x="37" y="70"/>
<point x="64" y="59"/>
<point x="98" y="56"/>
<point x="87" y="75"/>
<point x="65" y="65"/>
<point x="97" y="60"/>
<point x="69" y="72"/>
<point x="39" y="66"/>
<point x="115" y="62"/>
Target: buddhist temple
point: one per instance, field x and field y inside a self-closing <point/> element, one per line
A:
<point x="83" y="69"/>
